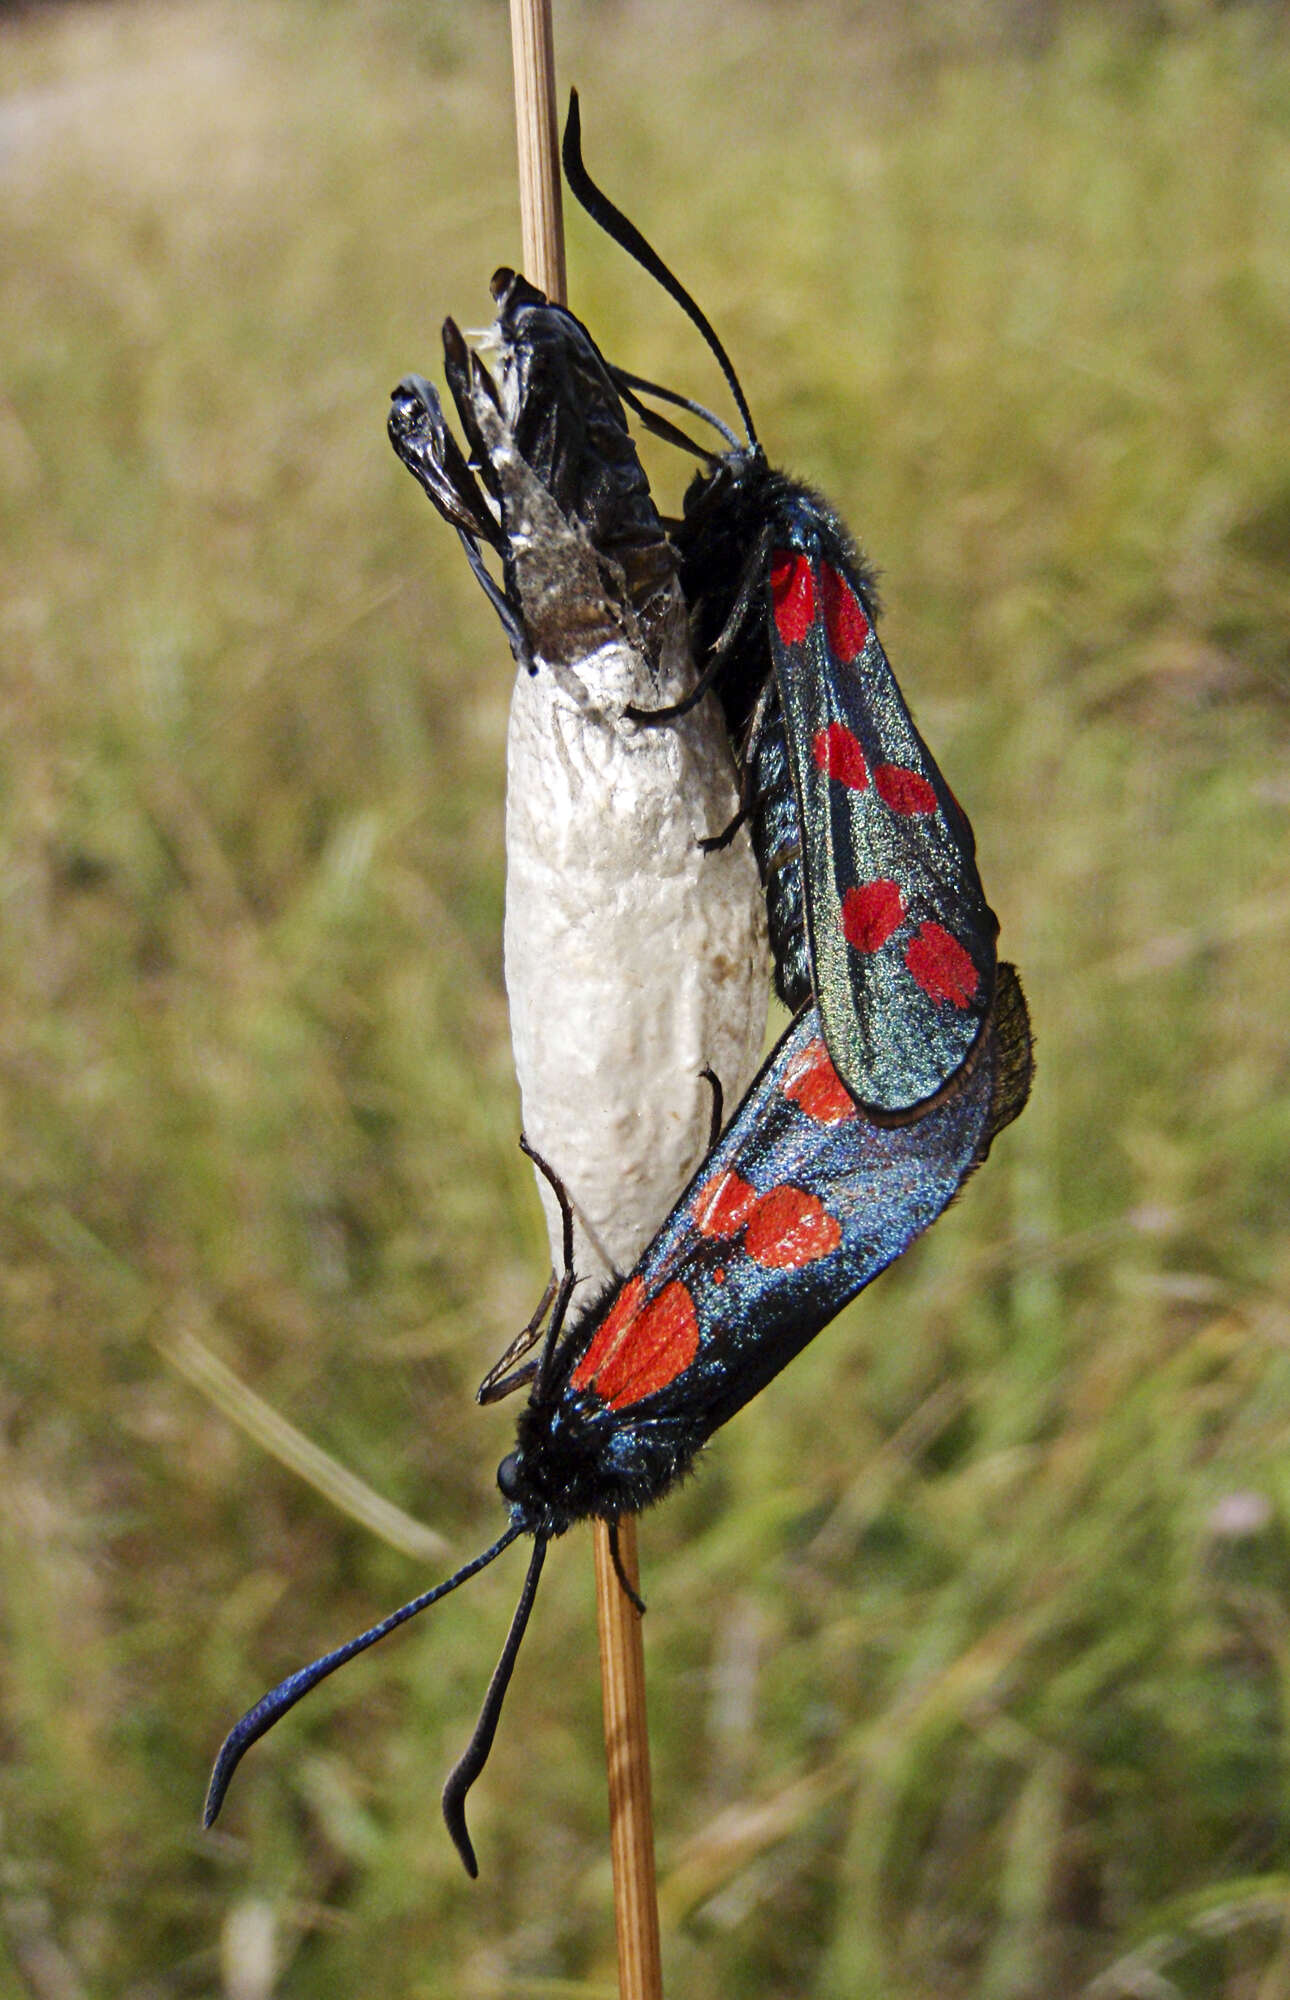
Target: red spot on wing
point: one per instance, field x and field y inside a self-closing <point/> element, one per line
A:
<point x="904" y="791"/>
<point x="792" y="592"/>
<point x="612" y="1330"/>
<point x="941" y="966"/>
<point x="789" y="1229"/>
<point x="871" y="913"/>
<point x="837" y="753"/>
<point x="719" y="1275"/>
<point x="811" y="1082"/>
<point x="723" y="1205"/>
<point x="641" y="1347"/>
<point x="844" y="618"/>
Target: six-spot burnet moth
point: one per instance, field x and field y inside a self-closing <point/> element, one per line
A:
<point x="874" y="900"/>
<point x="632" y="959"/>
<point x="799" y="1205"/>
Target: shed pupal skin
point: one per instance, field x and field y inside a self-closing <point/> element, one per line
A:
<point x="633" y="959"/>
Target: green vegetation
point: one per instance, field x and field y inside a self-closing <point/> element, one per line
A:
<point x="980" y="1618"/>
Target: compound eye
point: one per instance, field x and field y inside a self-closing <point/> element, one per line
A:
<point x="509" y="1476"/>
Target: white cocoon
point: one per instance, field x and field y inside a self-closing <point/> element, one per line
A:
<point x="632" y="958"/>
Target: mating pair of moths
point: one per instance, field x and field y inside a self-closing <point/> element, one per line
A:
<point x="909" y="1048"/>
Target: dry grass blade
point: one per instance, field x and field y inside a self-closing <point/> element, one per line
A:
<point x="265" y="1426"/>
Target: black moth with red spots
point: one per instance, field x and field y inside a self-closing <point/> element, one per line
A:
<point x="873" y="897"/>
<point x="799" y="1205"/>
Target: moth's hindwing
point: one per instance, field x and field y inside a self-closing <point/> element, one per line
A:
<point x="801" y="1203"/>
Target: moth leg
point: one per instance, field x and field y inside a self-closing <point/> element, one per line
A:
<point x="660" y="426"/>
<point x="713" y="843"/>
<point x="492" y="1391"/>
<point x="498" y="1383"/>
<point x="568" y="1278"/>
<point x="652" y="717"/>
<point x="717" y="1118"/>
<point x="615" y="1557"/>
<point x="626" y="383"/>
<point x="754" y="570"/>
<point x="748" y="799"/>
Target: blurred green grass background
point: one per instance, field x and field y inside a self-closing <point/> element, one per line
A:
<point x="969" y="1648"/>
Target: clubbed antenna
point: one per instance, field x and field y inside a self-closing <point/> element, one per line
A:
<point x="471" y="1763"/>
<point x="274" y="1705"/>
<point x="614" y="223"/>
